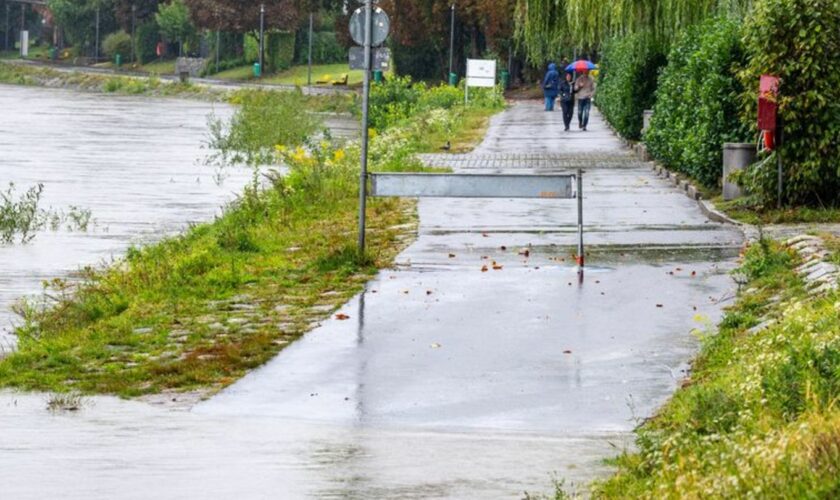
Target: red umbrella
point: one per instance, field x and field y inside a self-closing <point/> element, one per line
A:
<point x="581" y="65"/>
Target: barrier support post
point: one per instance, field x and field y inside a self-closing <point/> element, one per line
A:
<point x="579" y="193"/>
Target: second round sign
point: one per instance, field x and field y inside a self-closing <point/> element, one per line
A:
<point x="379" y="32"/>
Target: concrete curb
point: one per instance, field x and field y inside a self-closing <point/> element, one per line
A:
<point x="751" y="232"/>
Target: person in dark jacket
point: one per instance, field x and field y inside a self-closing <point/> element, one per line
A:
<point x="566" y="92"/>
<point x="551" y="83"/>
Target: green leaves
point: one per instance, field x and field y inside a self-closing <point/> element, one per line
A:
<point x="798" y="40"/>
<point x="696" y="107"/>
<point x="627" y="81"/>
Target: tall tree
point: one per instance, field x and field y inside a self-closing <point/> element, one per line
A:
<point x="241" y="16"/>
<point x="174" y="22"/>
<point x="420" y="31"/>
<point x="543" y="25"/>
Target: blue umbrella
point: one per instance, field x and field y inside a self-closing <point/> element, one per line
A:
<point x="581" y="66"/>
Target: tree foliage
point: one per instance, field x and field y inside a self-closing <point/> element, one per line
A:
<point x="241" y="16"/>
<point x="173" y="19"/>
<point x="420" y="32"/>
<point x="799" y="41"/>
<point x="697" y="107"/>
<point x="628" y="80"/>
<point x="543" y="26"/>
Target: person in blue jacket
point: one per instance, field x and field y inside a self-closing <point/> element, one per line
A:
<point x="551" y="84"/>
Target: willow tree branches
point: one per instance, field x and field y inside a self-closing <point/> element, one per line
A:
<point x="545" y="27"/>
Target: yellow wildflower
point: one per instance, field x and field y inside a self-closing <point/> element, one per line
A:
<point x="280" y="148"/>
<point x="300" y="154"/>
<point x="338" y="155"/>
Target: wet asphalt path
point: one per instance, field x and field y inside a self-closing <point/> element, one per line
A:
<point x="439" y="345"/>
<point x="446" y="381"/>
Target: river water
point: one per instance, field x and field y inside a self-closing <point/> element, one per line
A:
<point x="133" y="162"/>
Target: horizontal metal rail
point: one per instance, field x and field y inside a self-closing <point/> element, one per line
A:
<point x="411" y="185"/>
<point x="473" y="185"/>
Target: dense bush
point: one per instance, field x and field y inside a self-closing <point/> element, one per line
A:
<point x="117" y="43"/>
<point x="326" y="48"/>
<point x="148" y="36"/>
<point x="697" y="108"/>
<point x="627" y="81"/>
<point x="279" y="51"/>
<point x="798" y="40"/>
<point x="399" y="98"/>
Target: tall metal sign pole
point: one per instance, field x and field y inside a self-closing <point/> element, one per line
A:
<point x="262" y="43"/>
<point x="309" y="62"/>
<point x="8" y="26"/>
<point x="452" y="39"/>
<point x="365" y="136"/>
<point x="133" y="32"/>
<point x="96" y="49"/>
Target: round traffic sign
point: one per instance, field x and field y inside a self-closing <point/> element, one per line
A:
<point x="379" y="32"/>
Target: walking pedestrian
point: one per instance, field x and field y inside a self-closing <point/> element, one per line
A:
<point x="585" y="89"/>
<point x="551" y="83"/>
<point x="566" y="92"/>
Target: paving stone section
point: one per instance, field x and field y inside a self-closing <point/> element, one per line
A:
<point x="819" y="274"/>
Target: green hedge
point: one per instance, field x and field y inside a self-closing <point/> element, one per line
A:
<point x="117" y="43"/>
<point x="697" y="107"/>
<point x="627" y="81"/>
<point x="326" y="48"/>
<point x="279" y="51"/>
<point x="148" y="36"/>
<point x="798" y="40"/>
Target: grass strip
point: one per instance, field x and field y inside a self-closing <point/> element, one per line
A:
<point x="759" y="415"/>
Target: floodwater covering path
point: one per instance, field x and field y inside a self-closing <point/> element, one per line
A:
<point x="447" y="381"/>
<point x="132" y="162"/>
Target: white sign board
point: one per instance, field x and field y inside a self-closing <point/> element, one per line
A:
<point x="24" y="43"/>
<point x="481" y="72"/>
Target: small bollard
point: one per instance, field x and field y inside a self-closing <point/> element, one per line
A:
<point x="377" y="76"/>
<point x="453" y="79"/>
<point x="257" y="70"/>
<point x="118" y="60"/>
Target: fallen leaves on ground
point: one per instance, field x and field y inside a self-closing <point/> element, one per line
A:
<point x="341" y="316"/>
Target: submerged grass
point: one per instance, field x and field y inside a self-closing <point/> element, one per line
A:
<point x="759" y="415"/>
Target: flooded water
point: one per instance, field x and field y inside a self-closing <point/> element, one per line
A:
<point x="132" y="161"/>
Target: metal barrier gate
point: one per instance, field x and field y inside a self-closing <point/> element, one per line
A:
<point x="482" y="186"/>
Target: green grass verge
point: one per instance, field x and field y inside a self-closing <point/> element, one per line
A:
<point x="758" y="416"/>
<point x="166" y="67"/>
<point x="199" y="310"/>
<point x="48" y="77"/>
<point x="296" y="75"/>
<point x="744" y="211"/>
